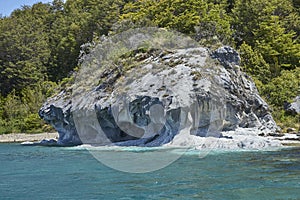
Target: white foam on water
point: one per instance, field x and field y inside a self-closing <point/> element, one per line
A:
<point x="241" y="140"/>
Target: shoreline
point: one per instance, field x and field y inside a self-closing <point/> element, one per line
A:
<point x="26" y="137"/>
<point x="288" y="140"/>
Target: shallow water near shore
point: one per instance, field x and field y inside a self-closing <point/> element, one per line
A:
<point x="73" y="173"/>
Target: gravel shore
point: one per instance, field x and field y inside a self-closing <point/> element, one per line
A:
<point x="22" y="137"/>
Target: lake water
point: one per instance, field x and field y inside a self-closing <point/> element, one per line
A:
<point x="72" y="173"/>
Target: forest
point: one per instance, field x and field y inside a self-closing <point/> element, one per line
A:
<point x="40" y="46"/>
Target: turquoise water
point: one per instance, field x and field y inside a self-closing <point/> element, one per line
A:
<point x="70" y="173"/>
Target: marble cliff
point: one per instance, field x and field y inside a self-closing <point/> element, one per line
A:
<point x="148" y="97"/>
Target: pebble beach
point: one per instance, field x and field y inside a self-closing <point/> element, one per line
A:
<point x="25" y="137"/>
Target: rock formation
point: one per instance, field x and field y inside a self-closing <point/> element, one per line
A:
<point x="294" y="107"/>
<point x="151" y="95"/>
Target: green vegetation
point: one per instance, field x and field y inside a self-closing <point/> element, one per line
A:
<point x="40" y="46"/>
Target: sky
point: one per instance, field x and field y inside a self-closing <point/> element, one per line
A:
<point x="7" y="6"/>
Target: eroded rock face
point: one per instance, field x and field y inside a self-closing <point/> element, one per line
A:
<point x="164" y="93"/>
<point x="56" y="111"/>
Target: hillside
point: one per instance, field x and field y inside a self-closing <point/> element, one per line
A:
<point x="41" y="46"/>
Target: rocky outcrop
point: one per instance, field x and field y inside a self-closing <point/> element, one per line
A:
<point x="57" y="112"/>
<point x="294" y="107"/>
<point x="155" y="96"/>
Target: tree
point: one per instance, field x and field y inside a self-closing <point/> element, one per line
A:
<point x="277" y="46"/>
<point x="271" y="29"/>
<point x="249" y="14"/>
<point x="24" y="48"/>
<point x="253" y="63"/>
<point x="283" y="88"/>
<point x="77" y="23"/>
<point x="204" y="18"/>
